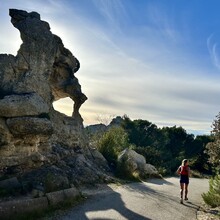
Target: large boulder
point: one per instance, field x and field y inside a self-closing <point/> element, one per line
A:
<point x="130" y="162"/>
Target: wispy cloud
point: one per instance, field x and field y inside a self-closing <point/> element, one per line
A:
<point x="113" y="12"/>
<point x="214" y="50"/>
<point x="163" y="21"/>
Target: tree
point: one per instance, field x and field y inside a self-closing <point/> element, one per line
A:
<point x="213" y="148"/>
<point x="212" y="197"/>
<point x="174" y="150"/>
<point x="198" y="157"/>
<point x="143" y="133"/>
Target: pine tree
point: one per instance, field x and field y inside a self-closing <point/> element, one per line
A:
<point x="212" y="197"/>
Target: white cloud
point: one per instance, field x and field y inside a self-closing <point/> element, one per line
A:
<point x="214" y="50"/>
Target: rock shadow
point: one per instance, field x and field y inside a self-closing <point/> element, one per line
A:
<point x="108" y="201"/>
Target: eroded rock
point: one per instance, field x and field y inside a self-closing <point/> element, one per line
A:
<point x="33" y="136"/>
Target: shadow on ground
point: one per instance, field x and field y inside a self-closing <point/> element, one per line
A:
<point x="107" y="200"/>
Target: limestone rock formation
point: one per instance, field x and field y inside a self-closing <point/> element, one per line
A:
<point x="33" y="136"/>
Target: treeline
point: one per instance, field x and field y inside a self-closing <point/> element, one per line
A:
<point x="164" y="148"/>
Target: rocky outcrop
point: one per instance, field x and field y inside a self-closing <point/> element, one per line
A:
<point x="101" y="128"/>
<point x="34" y="138"/>
<point x="131" y="162"/>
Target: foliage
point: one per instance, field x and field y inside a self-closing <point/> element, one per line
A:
<point x="198" y="157"/>
<point x="112" y="142"/>
<point x="143" y="133"/>
<point x="212" y="197"/>
<point x="213" y="148"/>
<point x="164" y="148"/>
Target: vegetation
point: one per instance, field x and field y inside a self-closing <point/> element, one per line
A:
<point x="162" y="147"/>
<point x="166" y="147"/>
<point x="213" y="148"/>
<point x="212" y="197"/>
<point x="111" y="143"/>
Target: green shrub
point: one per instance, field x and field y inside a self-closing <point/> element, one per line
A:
<point x="212" y="197"/>
<point x="112" y="143"/>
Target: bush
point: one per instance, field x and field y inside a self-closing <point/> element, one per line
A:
<point x="112" y="143"/>
<point x="212" y="197"/>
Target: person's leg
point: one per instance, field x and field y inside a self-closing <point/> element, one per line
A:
<point x="181" y="192"/>
<point x="186" y="191"/>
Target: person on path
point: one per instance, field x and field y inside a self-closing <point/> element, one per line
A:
<point x="184" y="172"/>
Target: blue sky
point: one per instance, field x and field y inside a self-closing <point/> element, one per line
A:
<point x="157" y="60"/>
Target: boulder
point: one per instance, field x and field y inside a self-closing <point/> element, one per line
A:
<point x="151" y="170"/>
<point x="129" y="162"/>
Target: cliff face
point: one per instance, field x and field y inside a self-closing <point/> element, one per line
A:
<point x="32" y="134"/>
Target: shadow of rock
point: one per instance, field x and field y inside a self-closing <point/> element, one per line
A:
<point x="97" y="205"/>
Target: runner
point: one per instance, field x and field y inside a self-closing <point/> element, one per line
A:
<point x="184" y="172"/>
